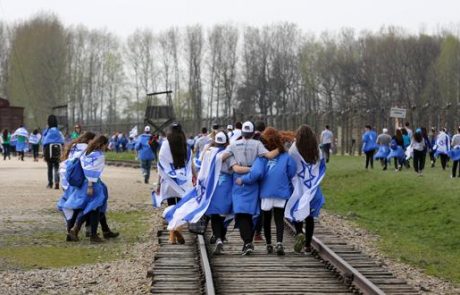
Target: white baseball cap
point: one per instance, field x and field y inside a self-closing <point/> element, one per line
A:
<point x="220" y="138"/>
<point x="248" y="127"/>
<point x="229" y="127"/>
<point x="385" y="130"/>
<point x="147" y="129"/>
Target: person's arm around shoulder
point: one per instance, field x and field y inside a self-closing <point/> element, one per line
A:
<point x="256" y="172"/>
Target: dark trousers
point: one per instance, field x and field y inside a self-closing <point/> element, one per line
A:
<point x="21" y="155"/>
<point x="218" y="226"/>
<point x="146" y="165"/>
<point x="245" y="225"/>
<point x="327" y="151"/>
<point x="279" y="222"/>
<point x="419" y="160"/>
<point x="53" y="167"/>
<point x="454" y="168"/>
<point x="6" y="151"/>
<point x="35" y="150"/>
<point x="432" y="158"/>
<point x="172" y="201"/>
<point x="258" y="226"/>
<point x="309" y="229"/>
<point x="370" y="159"/>
<point x="444" y="159"/>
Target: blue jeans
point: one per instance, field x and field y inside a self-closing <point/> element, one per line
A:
<point x="146" y="165"/>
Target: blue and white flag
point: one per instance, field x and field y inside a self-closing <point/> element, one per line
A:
<point x="442" y="144"/>
<point x="382" y="153"/>
<point x="75" y="152"/>
<point x="173" y="182"/>
<point x="93" y="165"/>
<point x="35" y="138"/>
<point x="195" y="203"/>
<point x="306" y="183"/>
<point x="21" y="132"/>
<point x="133" y="133"/>
<point x="454" y="153"/>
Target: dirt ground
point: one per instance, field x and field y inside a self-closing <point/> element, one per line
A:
<point x="25" y="202"/>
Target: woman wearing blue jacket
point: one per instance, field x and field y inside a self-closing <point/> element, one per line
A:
<point x="145" y="153"/>
<point x="369" y="145"/>
<point x="53" y="140"/>
<point x="275" y="186"/>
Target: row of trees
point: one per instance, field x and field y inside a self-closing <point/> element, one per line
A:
<point x="342" y="79"/>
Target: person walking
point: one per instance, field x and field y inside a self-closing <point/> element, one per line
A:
<point x="22" y="136"/>
<point x="443" y="147"/>
<point x="245" y="199"/>
<point x="6" y="138"/>
<point x="325" y="141"/>
<point x="418" y="147"/>
<point x="76" y="132"/>
<point x="307" y="199"/>
<point x="34" y="140"/>
<point x="369" y="145"/>
<point x="175" y="173"/>
<point x="145" y="153"/>
<point x="455" y="153"/>
<point x="53" y="141"/>
<point x="383" y="140"/>
<point x="275" y="186"/>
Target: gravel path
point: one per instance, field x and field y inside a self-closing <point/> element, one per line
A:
<point x="25" y="200"/>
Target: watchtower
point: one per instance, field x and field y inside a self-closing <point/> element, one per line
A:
<point x="159" y="116"/>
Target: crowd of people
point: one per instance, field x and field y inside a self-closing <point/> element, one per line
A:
<point x="407" y="144"/>
<point x="249" y="174"/>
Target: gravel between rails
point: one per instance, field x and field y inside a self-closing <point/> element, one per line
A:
<point x="368" y="243"/>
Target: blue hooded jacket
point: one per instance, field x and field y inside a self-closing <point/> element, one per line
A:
<point x="275" y="176"/>
<point x="143" y="147"/>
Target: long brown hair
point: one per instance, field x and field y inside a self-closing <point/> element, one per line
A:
<point x="177" y="145"/>
<point x="97" y="144"/>
<point x="306" y="144"/>
<point x="84" y="138"/>
<point x="272" y="139"/>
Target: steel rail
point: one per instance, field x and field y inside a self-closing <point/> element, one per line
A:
<point x="206" y="266"/>
<point x="348" y="272"/>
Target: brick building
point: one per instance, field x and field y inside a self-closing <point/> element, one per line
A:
<point x="10" y="117"/>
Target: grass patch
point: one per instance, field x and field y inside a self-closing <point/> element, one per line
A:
<point x="125" y="156"/>
<point x="416" y="217"/>
<point x="47" y="248"/>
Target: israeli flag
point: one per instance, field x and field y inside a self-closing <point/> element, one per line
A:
<point x="195" y="203"/>
<point x="21" y="132"/>
<point x="93" y="165"/>
<point x="172" y="181"/>
<point x="454" y="153"/>
<point x="442" y="144"/>
<point x="306" y="184"/>
<point x="133" y="133"/>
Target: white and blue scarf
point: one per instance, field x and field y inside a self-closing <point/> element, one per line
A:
<point x="306" y="183"/>
<point x="195" y="203"/>
<point x="173" y="182"/>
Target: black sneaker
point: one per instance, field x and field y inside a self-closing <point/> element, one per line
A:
<point x="110" y="234"/>
<point x="279" y="249"/>
<point x="219" y="248"/>
<point x="269" y="249"/>
<point x="96" y="239"/>
<point x="212" y="240"/>
<point x="247" y="249"/>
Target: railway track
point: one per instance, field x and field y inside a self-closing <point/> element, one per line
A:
<point x="334" y="268"/>
<point x="123" y="163"/>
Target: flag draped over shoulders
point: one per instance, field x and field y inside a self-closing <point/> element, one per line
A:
<point x="173" y="182"/>
<point x="195" y="203"/>
<point x="306" y="183"/>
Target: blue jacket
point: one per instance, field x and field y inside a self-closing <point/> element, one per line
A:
<point x="143" y="147"/>
<point x="369" y="141"/>
<point x="275" y="176"/>
<point x="52" y="135"/>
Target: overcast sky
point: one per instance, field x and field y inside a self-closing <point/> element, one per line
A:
<point x="123" y="17"/>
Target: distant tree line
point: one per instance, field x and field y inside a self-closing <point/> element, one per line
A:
<point x="229" y="70"/>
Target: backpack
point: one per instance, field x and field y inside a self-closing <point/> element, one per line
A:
<point x="52" y="152"/>
<point x="74" y="173"/>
